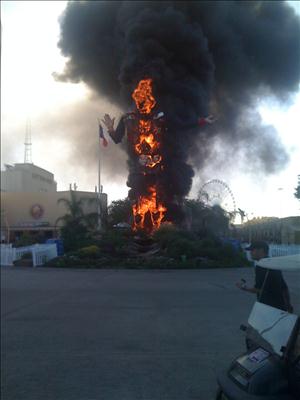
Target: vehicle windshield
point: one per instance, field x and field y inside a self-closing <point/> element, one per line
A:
<point x="271" y="328"/>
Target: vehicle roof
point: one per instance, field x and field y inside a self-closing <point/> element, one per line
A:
<point x="283" y="263"/>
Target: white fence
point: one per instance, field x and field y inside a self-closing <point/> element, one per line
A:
<point x="278" y="250"/>
<point x="8" y="254"/>
<point x="40" y="253"/>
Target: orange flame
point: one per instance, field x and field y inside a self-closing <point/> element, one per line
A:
<point x="148" y="204"/>
<point x="143" y="97"/>
<point x="147" y="149"/>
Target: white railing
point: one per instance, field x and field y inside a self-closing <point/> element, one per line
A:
<point x="277" y="250"/>
<point x="8" y="254"/>
<point x="41" y="253"/>
<point x="22" y="250"/>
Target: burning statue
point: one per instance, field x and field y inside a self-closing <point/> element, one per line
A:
<point x="145" y="129"/>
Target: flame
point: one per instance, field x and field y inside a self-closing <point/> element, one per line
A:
<point x="148" y="204"/>
<point x="147" y="149"/>
<point x="146" y="142"/>
<point x="143" y="97"/>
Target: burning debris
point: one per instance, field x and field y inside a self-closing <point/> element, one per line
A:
<point x="179" y="60"/>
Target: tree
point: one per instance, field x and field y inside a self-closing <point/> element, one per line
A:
<point x="196" y="214"/>
<point x="297" y="189"/>
<point x="219" y="220"/>
<point x="75" y="224"/>
<point x="242" y="214"/>
<point x="206" y="219"/>
<point x="120" y="211"/>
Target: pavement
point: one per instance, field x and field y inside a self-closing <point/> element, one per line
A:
<point x="75" y="334"/>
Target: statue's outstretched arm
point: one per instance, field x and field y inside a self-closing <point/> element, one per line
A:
<point x="109" y="123"/>
<point x="210" y="119"/>
<point x="201" y="121"/>
<point x="118" y="133"/>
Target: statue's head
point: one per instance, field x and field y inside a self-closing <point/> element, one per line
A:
<point x="143" y="96"/>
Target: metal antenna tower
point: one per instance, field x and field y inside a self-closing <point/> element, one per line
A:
<point x="28" y="144"/>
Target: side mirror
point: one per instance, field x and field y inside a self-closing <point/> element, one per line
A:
<point x="243" y="328"/>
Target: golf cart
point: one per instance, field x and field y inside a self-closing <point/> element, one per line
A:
<point x="270" y="368"/>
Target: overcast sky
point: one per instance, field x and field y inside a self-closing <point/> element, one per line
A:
<point x="61" y="113"/>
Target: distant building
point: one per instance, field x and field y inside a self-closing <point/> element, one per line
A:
<point x="37" y="213"/>
<point x="29" y="202"/>
<point x="27" y="178"/>
<point x="271" y="229"/>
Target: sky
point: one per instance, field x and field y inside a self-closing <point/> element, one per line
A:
<point x="60" y="112"/>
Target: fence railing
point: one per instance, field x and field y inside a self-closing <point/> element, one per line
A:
<point x="278" y="250"/>
<point x="41" y="253"/>
<point x="8" y="254"/>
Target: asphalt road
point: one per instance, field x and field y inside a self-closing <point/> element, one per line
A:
<point x="120" y="335"/>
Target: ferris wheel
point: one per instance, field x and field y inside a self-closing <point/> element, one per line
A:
<point x="216" y="192"/>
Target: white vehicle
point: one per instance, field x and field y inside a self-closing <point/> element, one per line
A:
<point x="270" y="369"/>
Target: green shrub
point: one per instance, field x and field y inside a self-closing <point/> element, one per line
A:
<point x="227" y="252"/>
<point x="167" y="234"/>
<point x="115" y="241"/>
<point x="26" y="256"/>
<point x="182" y="247"/>
<point x="203" y="251"/>
<point x="89" y="252"/>
<point x="25" y="240"/>
<point x="74" y="236"/>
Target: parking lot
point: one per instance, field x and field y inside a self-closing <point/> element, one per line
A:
<point x="121" y="334"/>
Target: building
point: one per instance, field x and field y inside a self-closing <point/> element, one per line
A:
<point x="37" y="213"/>
<point x="29" y="202"/>
<point x="27" y="178"/>
<point x="271" y="229"/>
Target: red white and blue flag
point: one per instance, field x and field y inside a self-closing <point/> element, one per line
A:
<point x="102" y="137"/>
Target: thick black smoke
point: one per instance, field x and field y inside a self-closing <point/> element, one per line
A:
<point x="203" y="56"/>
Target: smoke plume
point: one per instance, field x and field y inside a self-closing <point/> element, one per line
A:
<point x="204" y="57"/>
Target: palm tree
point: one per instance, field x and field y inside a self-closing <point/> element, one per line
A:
<point x="242" y="214"/>
<point x="76" y="225"/>
<point x="74" y="207"/>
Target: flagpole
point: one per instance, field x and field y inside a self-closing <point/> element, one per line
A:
<point x="99" y="185"/>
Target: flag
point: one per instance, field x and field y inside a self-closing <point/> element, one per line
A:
<point x="101" y="136"/>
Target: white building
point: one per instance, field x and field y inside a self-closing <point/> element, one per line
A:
<point x="27" y="178"/>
